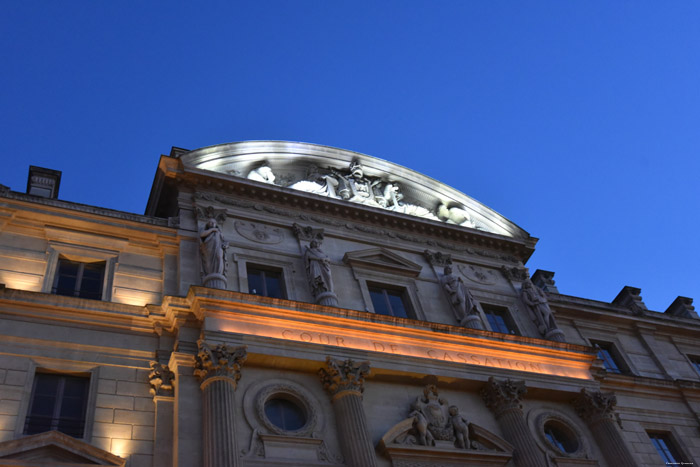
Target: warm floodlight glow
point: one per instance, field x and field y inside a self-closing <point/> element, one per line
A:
<point x="383" y="338"/>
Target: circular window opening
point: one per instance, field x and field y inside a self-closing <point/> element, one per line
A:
<point x="285" y="414"/>
<point x="561" y="437"/>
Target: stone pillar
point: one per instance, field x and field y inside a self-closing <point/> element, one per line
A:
<point x="596" y="409"/>
<point x="344" y="381"/>
<point x="503" y="398"/>
<point x="187" y="410"/>
<point x="161" y="380"/>
<point x="218" y="370"/>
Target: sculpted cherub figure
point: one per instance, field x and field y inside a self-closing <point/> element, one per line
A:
<point x="460" y="425"/>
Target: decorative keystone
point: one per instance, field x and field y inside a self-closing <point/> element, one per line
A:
<point x="219" y="362"/>
<point x="501" y="396"/>
<point x="161" y="380"/>
<point x="339" y="376"/>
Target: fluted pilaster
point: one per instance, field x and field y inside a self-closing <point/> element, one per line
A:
<point x="597" y="410"/>
<point x="503" y="399"/>
<point x="344" y="381"/>
<point x="218" y="370"/>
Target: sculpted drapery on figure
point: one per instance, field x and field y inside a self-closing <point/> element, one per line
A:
<point x="537" y="305"/>
<point x="318" y="272"/>
<point x="213" y="251"/>
<point x="460" y="297"/>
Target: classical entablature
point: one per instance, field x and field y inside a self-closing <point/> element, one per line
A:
<point x="349" y="176"/>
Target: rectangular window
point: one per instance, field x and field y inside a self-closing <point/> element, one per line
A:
<point x="695" y="361"/>
<point x="77" y="279"/>
<point x="265" y="281"/>
<point x="58" y="402"/>
<point x="390" y="301"/>
<point x="612" y="361"/>
<point x="499" y="319"/>
<point x="665" y="447"/>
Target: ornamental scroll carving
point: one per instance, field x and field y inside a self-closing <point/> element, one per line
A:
<point x="501" y="396"/>
<point x="592" y="406"/>
<point x="161" y="380"/>
<point x="221" y="361"/>
<point x="343" y="375"/>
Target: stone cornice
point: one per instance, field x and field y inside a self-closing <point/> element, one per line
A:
<point x="250" y="194"/>
<point x="83" y="208"/>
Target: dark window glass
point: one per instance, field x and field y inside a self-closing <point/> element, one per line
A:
<point x="267" y="282"/>
<point x="499" y="320"/>
<point x="77" y="279"/>
<point x="611" y="360"/>
<point x="285" y="414"/>
<point x="561" y="437"/>
<point x="665" y="447"/>
<point x="388" y="301"/>
<point x="696" y="363"/>
<point x="58" y="403"/>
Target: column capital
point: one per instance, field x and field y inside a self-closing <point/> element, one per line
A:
<point x="161" y="380"/>
<point x="339" y="376"/>
<point x="500" y="396"/>
<point x="592" y="406"/>
<point x="220" y="362"/>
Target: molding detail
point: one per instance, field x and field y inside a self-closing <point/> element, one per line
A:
<point x="219" y="362"/>
<point x="383" y="260"/>
<point x="438" y="258"/>
<point x="502" y="396"/>
<point x="161" y="380"/>
<point x="592" y="406"/>
<point x="339" y="376"/>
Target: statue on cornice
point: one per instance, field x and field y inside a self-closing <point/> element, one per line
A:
<point x="538" y="306"/>
<point x="318" y="272"/>
<point x="262" y="174"/>
<point x="461" y="299"/>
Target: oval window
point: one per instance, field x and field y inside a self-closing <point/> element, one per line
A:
<point x="561" y="437"/>
<point x="285" y="414"/>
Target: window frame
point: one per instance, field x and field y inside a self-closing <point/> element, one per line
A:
<point x="80" y="275"/>
<point x="269" y="261"/>
<point x="41" y="365"/>
<point x="402" y="295"/>
<point x="510" y="319"/>
<point x="612" y="349"/>
<point x="263" y="270"/>
<point x="59" y="401"/>
<point x="672" y="440"/>
<point x="694" y="362"/>
<point x="82" y="254"/>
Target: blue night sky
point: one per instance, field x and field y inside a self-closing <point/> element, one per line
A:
<point x="578" y="120"/>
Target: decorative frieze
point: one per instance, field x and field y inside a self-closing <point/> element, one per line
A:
<point x="219" y="362"/>
<point x="343" y="375"/>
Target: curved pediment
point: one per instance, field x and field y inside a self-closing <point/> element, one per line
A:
<point x="350" y="176"/>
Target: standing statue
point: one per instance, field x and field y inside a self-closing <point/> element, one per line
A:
<point x="461" y="299"/>
<point x="318" y="272"/>
<point x="213" y="249"/>
<point x="460" y="425"/>
<point x="539" y="310"/>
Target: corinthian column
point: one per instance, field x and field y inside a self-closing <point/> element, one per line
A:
<point x="596" y="409"/>
<point x="218" y="370"/>
<point x="344" y="381"/>
<point x="503" y="399"/>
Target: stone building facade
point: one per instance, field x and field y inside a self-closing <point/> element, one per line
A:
<point x="289" y="304"/>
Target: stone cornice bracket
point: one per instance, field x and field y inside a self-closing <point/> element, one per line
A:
<point x="502" y="396"/>
<point x="683" y="308"/>
<point x="161" y="380"/>
<point x="545" y="280"/>
<point x="593" y="406"/>
<point x="437" y="258"/>
<point x="341" y="377"/>
<point x="219" y="363"/>
<point x="306" y="233"/>
<point x="630" y="298"/>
